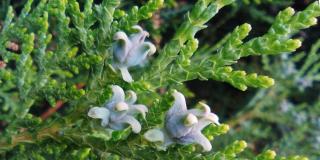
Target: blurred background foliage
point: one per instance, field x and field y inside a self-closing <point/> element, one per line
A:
<point x="285" y="117"/>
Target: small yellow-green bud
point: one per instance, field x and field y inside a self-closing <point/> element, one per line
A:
<point x="146" y="85"/>
<point x="242" y="87"/>
<point x="242" y="73"/>
<point x="289" y="11"/>
<point x="119" y="13"/>
<point x="270" y="154"/>
<point x="244" y="30"/>
<point x="267" y="80"/>
<point x="159" y="3"/>
<point x="224" y="128"/>
<point x="82" y="92"/>
<point x="28" y="116"/>
<point x="247" y="27"/>
<point x="253" y="75"/>
<point x="210" y="137"/>
<point x="293" y="44"/>
<point x="53" y="82"/>
<point x="312" y="21"/>
<point x="228" y="69"/>
<point x="99" y="58"/>
<point x="241" y="145"/>
<point x="72" y="52"/>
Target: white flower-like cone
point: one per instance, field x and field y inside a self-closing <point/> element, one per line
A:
<point x="183" y="126"/>
<point x="118" y="113"/>
<point x="131" y="51"/>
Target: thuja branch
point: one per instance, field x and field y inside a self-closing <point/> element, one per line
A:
<point x="201" y="13"/>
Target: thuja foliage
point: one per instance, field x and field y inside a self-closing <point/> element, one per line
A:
<point x="120" y="101"/>
<point x="290" y="104"/>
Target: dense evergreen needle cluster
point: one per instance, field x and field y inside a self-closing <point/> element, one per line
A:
<point x="123" y="93"/>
